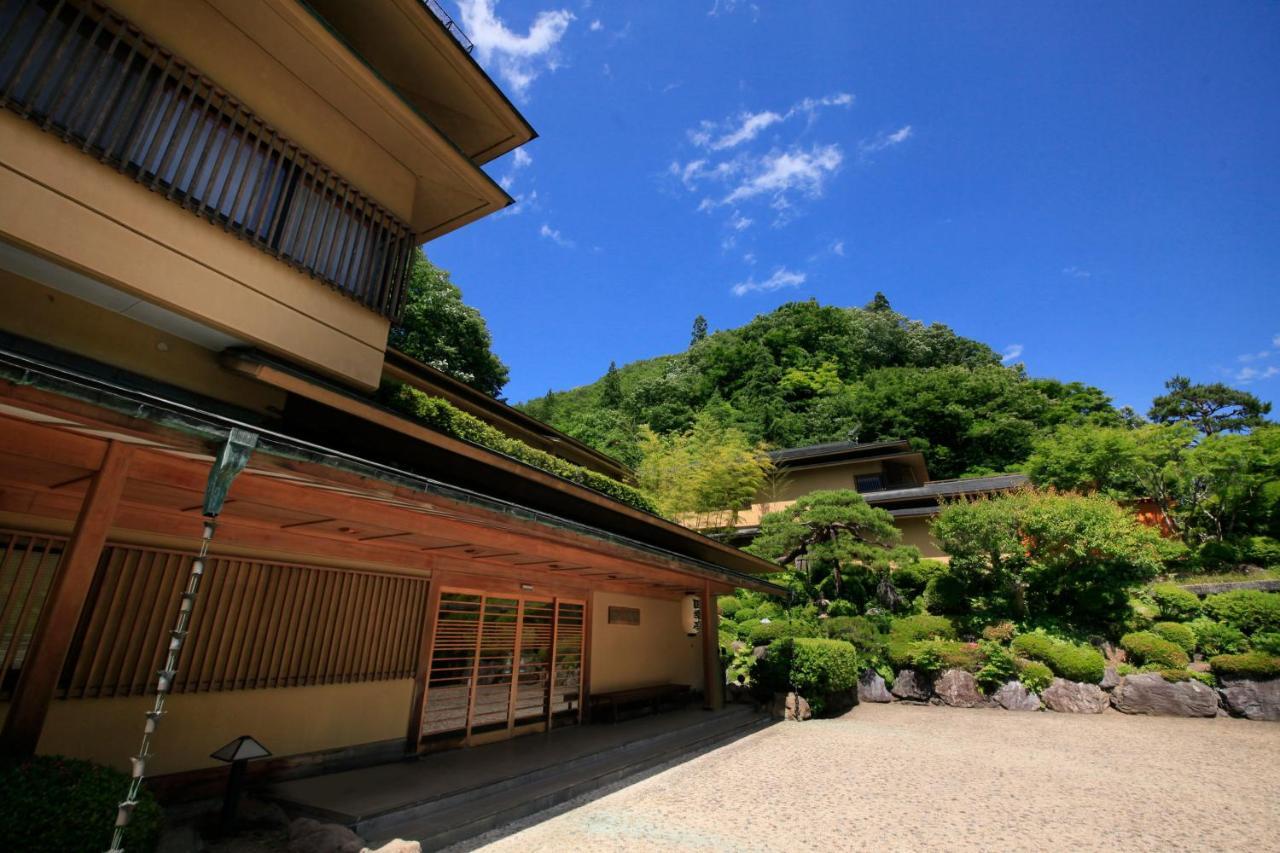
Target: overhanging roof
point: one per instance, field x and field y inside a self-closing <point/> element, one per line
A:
<point x="836" y="451"/>
<point x="688" y="553"/>
<point x="950" y="488"/>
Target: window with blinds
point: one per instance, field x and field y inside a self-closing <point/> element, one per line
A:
<point x="83" y="73"/>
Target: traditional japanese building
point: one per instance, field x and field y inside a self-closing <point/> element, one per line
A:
<point x="207" y="211"/>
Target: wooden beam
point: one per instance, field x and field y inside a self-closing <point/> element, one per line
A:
<point x="48" y="652"/>
<point x="713" y="681"/>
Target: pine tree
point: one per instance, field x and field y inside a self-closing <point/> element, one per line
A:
<point x="611" y="388"/>
<point x="699" y="330"/>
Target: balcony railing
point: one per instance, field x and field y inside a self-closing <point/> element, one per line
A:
<point x="449" y="24"/>
<point x="88" y="76"/>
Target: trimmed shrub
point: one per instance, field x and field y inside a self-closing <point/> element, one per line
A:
<point x="910" y="629"/>
<point x="1033" y="674"/>
<point x="1175" y="632"/>
<point x="1123" y="669"/>
<point x="1214" y="638"/>
<point x="56" y="803"/>
<point x="745" y="615"/>
<point x="1255" y="665"/>
<point x="817" y="668"/>
<point x="1148" y="648"/>
<point x="764" y="633"/>
<point x="1262" y="550"/>
<point x="1176" y="675"/>
<point x="1174" y="602"/>
<point x="946" y="593"/>
<point x="1248" y="610"/>
<point x="912" y="578"/>
<point x="1001" y="632"/>
<point x="1268" y="644"/>
<point x="858" y="630"/>
<point x="1067" y="660"/>
<point x="729" y="605"/>
<point x="769" y="610"/>
<point x="940" y="655"/>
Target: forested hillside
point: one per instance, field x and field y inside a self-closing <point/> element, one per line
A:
<point x="808" y="373"/>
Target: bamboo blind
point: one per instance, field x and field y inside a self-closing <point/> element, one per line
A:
<point x="27" y="566"/>
<point x="257" y="624"/>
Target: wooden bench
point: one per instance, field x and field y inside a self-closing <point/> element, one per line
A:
<point x="650" y="697"/>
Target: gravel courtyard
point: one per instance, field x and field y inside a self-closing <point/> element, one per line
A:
<point x="902" y="777"/>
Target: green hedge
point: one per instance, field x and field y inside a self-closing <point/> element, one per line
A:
<point x="728" y="605"/>
<point x="1147" y="647"/>
<point x="448" y="419"/>
<point x="1268" y="643"/>
<point x="1067" y="660"/>
<point x="1255" y="665"/>
<point x="1215" y="638"/>
<point x="1249" y="610"/>
<point x="1176" y="675"/>
<point x="54" y="803"/>
<point x="764" y="633"/>
<point x="858" y="630"/>
<point x="1174" y="602"/>
<point x="1175" y="632"/>
<point x="817" y="668"/>
<point x="904" y="632"/>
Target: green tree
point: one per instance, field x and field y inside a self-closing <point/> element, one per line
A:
<point x="834" y="544"/>
<point x="1211" y="408"/>
<point x="704" y="476"/>
<point x="611" y="388"/>
<point x="699" y="330"/>
<point x="1072" y="559"/>
<point x="1087" y="458"/>
<point x="441" y="330"/>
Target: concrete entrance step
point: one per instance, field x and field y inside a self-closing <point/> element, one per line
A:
<point x="465" y="814"/>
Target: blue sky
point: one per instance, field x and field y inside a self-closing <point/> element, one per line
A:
<point x="1091" y="188"/>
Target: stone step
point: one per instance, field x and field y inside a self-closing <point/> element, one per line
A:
<point x="464" y="815"/>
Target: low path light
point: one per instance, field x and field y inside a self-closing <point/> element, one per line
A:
<point x="238" y="754"/>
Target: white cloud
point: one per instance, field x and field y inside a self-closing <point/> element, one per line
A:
<point x="1275" y="342"/>
<point x="1250" y="372"/>
<point x="1011" y="353"/>
<point x="728" y="7"/>
<point x="749" y="127"/>
<point x="521" y="159"/>
<point x="554" y="235"/>
<point x="782" y="277"/>
<point x="740" y="222"/>
<point x="781" y="172"/>
<point x="749" y="258"/>
<point x="883" y="140"/>
<point x="596" y="26"/>
<point x="523" y="202"/>
<point x="1076" y="272"/>
<point x="1253" y="374"/>
<point x="837" y="248"/>
<point x="517" y="59"/>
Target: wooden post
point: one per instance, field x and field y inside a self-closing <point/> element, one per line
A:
<point x="418" y="706"/>
<point x="713" y="688"/>
<point x="48" y="653"/>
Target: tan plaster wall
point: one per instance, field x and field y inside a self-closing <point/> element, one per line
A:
<point x="288" y="721"/>
<point x="656" y="651"/>
<point x="915" y="531"/>
<point x="50" y="316"/>
<point x="81" y="214"/>
<point x="796" y="483"/>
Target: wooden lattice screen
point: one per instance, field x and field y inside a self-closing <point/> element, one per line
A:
<point x="256" y="625"/>
<point x="27" y="566"/>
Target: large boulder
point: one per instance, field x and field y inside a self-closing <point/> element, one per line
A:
<point x="790" y="707"/>
<point x="1072" y="697"/>
<point x="312" y="836"/>
<point x="1149" y="693"/>
<point x="912" y="686"/>
<point x="398" y="845"/>
<point x="957" y="688"/>
<point x="1257" y="700"/>
<point x="1012" y="696"/>
<point x="871" y="688"/>
<point x="1110" y="678"/>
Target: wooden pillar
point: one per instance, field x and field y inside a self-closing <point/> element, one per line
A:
<point x="713" y="678"/>
<point x="426" y="649"/>
<point x="43" y="664"/>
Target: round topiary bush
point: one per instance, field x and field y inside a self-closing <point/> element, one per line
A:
<point x="1249" y="610"/>
<point x="745" y="615"/>
<point x="1146" y="648"/>
<point x="817" y="668"/>
<point x="764" y="633"/>
<point x="1175" y="632"/>
<point x="1215" y="638"/>
<point x="1174" y="602"/>
<point x="54" y="803"/>
<point x="1253" y="665"/>
<point x="940" y="655"/>
<point x="858" y="630"/>
<point x="1067" y="660"/>
<point x="1001" y="632"/>
<point x="729" y="605"/>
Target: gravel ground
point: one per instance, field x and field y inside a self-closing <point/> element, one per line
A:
<point x="904" y="777"/>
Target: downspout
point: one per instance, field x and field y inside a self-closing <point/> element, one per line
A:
<point x="232" y="458"/>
